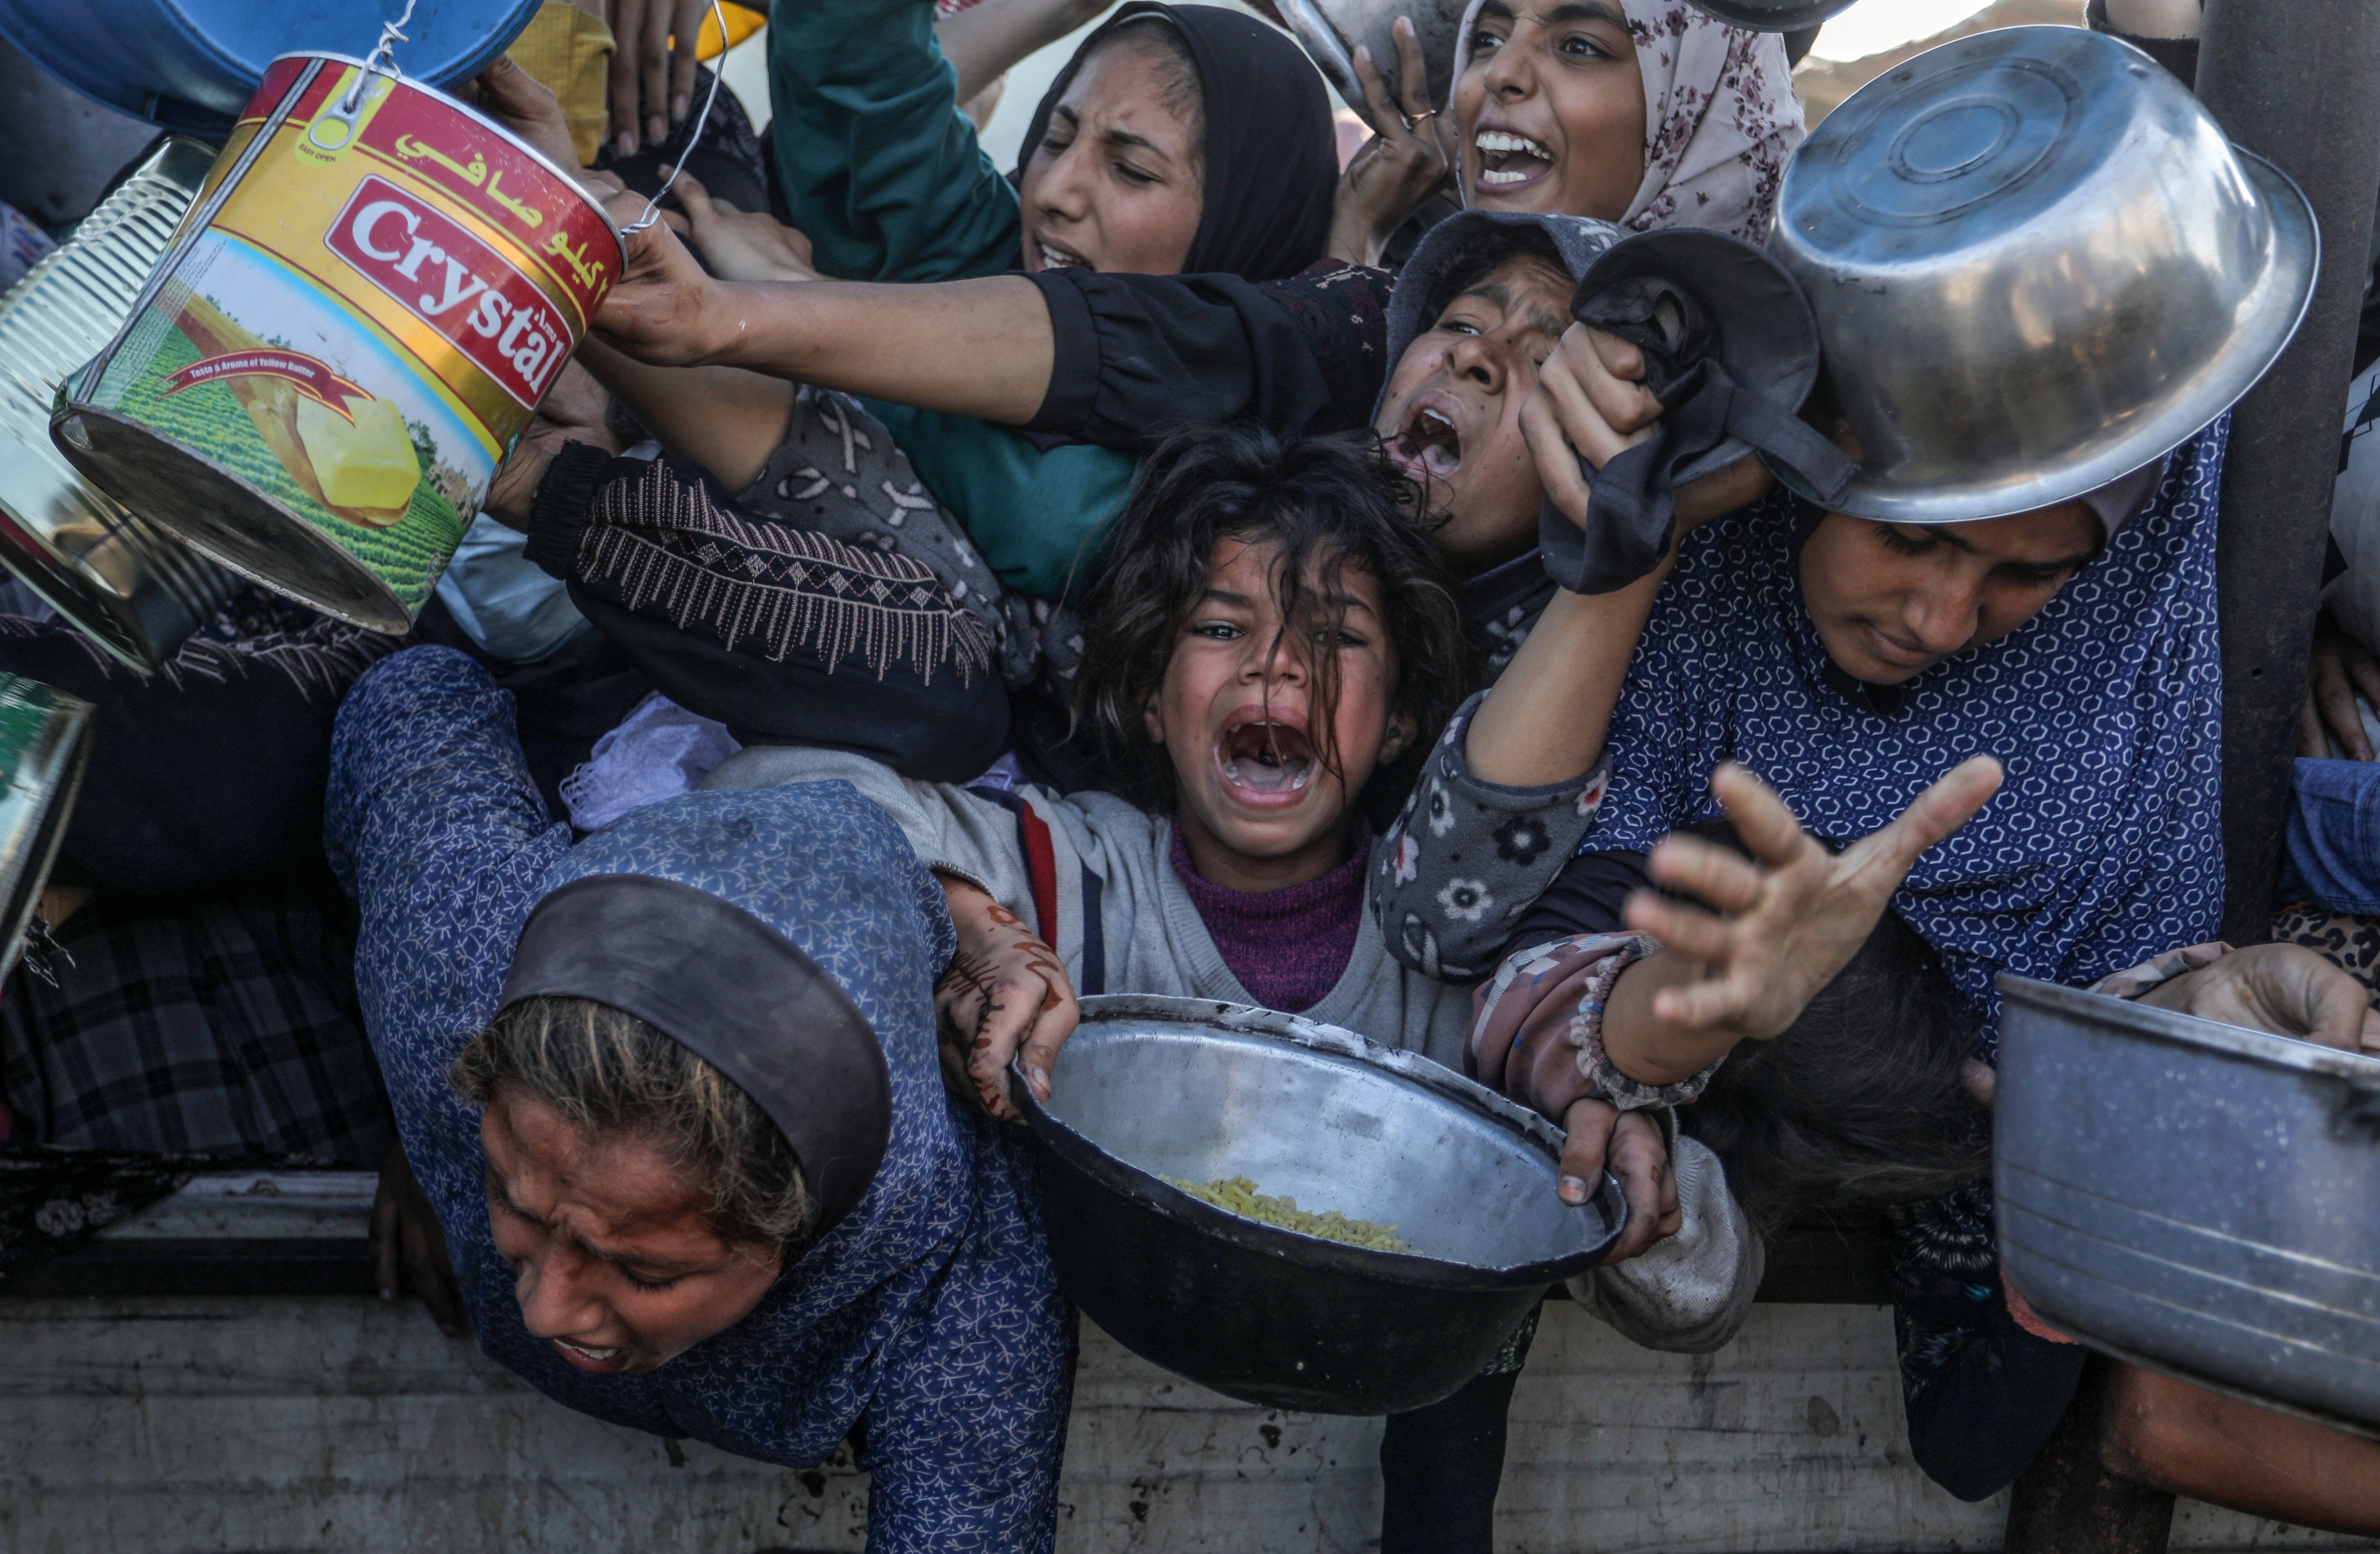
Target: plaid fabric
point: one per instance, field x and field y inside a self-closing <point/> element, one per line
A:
<point x="224" y="1027"/>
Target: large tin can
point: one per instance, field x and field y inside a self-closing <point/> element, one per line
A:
<point x="132" y="590"/>
<point x="44" y="743"/>
<point x="354" y="326"/>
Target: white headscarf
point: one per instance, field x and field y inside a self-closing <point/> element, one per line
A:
<point x="1720" y="118"/>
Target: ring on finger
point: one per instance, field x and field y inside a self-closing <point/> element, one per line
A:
<point x="1415" y="121"/>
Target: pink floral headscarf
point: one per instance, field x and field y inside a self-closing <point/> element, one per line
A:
<point x="1720" y="118"/>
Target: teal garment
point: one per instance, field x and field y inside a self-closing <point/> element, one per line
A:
<point x="1036" y="513"/>
<point x="883" y="174"/>
<point x="881" y="171"/>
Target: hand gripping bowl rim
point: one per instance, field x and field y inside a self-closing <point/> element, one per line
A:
<point x="1122" y="1176"/>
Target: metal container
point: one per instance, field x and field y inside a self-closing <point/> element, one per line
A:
<point x="1330" y="31"/>
<point x="318" y="383"/>
<point x="132" y="590"/>
<point x="2194" y="1196"/>
<point x="2036" y="265"/>
<point x="1151" y="1088"/>
<point x="44" y="743"/>
<point x="190" y="64"/>
<point x="1772" y="16"/>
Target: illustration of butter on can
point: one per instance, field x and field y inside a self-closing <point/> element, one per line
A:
<point x="353" y="328"/>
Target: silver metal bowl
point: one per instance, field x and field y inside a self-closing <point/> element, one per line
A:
<point x="1772" y="16"/>
<point x="1330" y="30"/>
<point x="2036" y="265"/>
<point x="1155" y="1088"/>
<point x="2194" y="1196"/>
<point x="126" y="585"/>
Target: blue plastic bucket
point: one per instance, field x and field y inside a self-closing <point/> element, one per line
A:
<point x="192" y="63"/>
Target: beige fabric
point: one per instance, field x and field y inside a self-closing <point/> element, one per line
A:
<point x="570" y="51"/>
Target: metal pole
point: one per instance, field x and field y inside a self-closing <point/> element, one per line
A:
<point x="2297" y="81"/>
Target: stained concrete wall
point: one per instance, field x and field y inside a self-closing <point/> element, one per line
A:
<point x="338" y="1422"/>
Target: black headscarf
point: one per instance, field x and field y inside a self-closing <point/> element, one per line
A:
<point x="1271" y="156"/>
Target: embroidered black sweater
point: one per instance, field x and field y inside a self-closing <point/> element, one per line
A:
<point x="785" y="635"/>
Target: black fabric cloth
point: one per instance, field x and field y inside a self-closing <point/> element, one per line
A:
<point x="1138" y="355"/>
<point x="210" y="773"/>
<point x="50" y="1199"/>
<point x="2177" y="54"/>
<point x="1729" y="378"/>
<point x="1586" y="896"/>
<point x="737" y="993"/>
<point x="1997" y="1394"/>
<point x="1440" y="1467"/>
<point x="1271" y="154"/>
<point x="785" y="636"/>
<point x="226" y="1026"/>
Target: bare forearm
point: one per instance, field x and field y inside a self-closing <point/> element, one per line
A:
<point x="1642" y="1045"/>
<point x="983" y="40"/>
<point x="977" y="347"/>
<point x="1545" y="719"/>
<point x="724" y="419"/>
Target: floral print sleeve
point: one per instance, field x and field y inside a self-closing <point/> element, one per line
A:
<point x="1467" y="858"/>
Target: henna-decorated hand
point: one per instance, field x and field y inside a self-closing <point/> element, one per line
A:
<point x="1005" y="996"/>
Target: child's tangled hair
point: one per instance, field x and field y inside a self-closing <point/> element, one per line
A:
<point x="1328" y="504"/>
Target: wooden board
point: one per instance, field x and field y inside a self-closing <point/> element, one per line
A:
<point x="201" y="1423"/>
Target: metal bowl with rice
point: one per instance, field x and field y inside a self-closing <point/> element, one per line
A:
<point x="1151" y="1092"/>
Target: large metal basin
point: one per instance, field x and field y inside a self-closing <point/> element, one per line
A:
<point x="2194" y="1196"/>
<point x="2036" y="265"/>
<point x="1150" y="1088"/>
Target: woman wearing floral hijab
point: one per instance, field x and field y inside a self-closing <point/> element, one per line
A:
<point x="1548" y="93"/>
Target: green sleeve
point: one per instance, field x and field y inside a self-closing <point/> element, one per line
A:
<point x="880" y="169"/>
<point x="1035" y="513"/>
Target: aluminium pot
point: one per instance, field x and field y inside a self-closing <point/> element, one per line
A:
<point x="125" y="585"/>
<point x="2194" y="1196"/>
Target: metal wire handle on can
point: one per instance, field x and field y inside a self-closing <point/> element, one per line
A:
<point x="382" y="61"/>
<point x="652" y="212"/>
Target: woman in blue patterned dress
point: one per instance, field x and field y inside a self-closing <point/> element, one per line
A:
<point x="1849" y="663"/>
<point x="674" y="1097"/>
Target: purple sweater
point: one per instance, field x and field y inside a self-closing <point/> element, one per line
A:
<point x="1289" y="948"/>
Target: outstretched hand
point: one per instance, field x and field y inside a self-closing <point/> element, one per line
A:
<point x="2283" y="988"/>
<point x="576" y="409"/>
<point x="1786" y="920"/>
<point x="1402" y="165"/>
<point x="1005" y="997"/>
<point x="738" y="245"/>
<point x="525" y="105"/>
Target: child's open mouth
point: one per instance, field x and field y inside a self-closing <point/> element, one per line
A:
<point x="1429" y="446"/>
<point x="1506" y="159"/>
<point x="1264" y="762"/>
